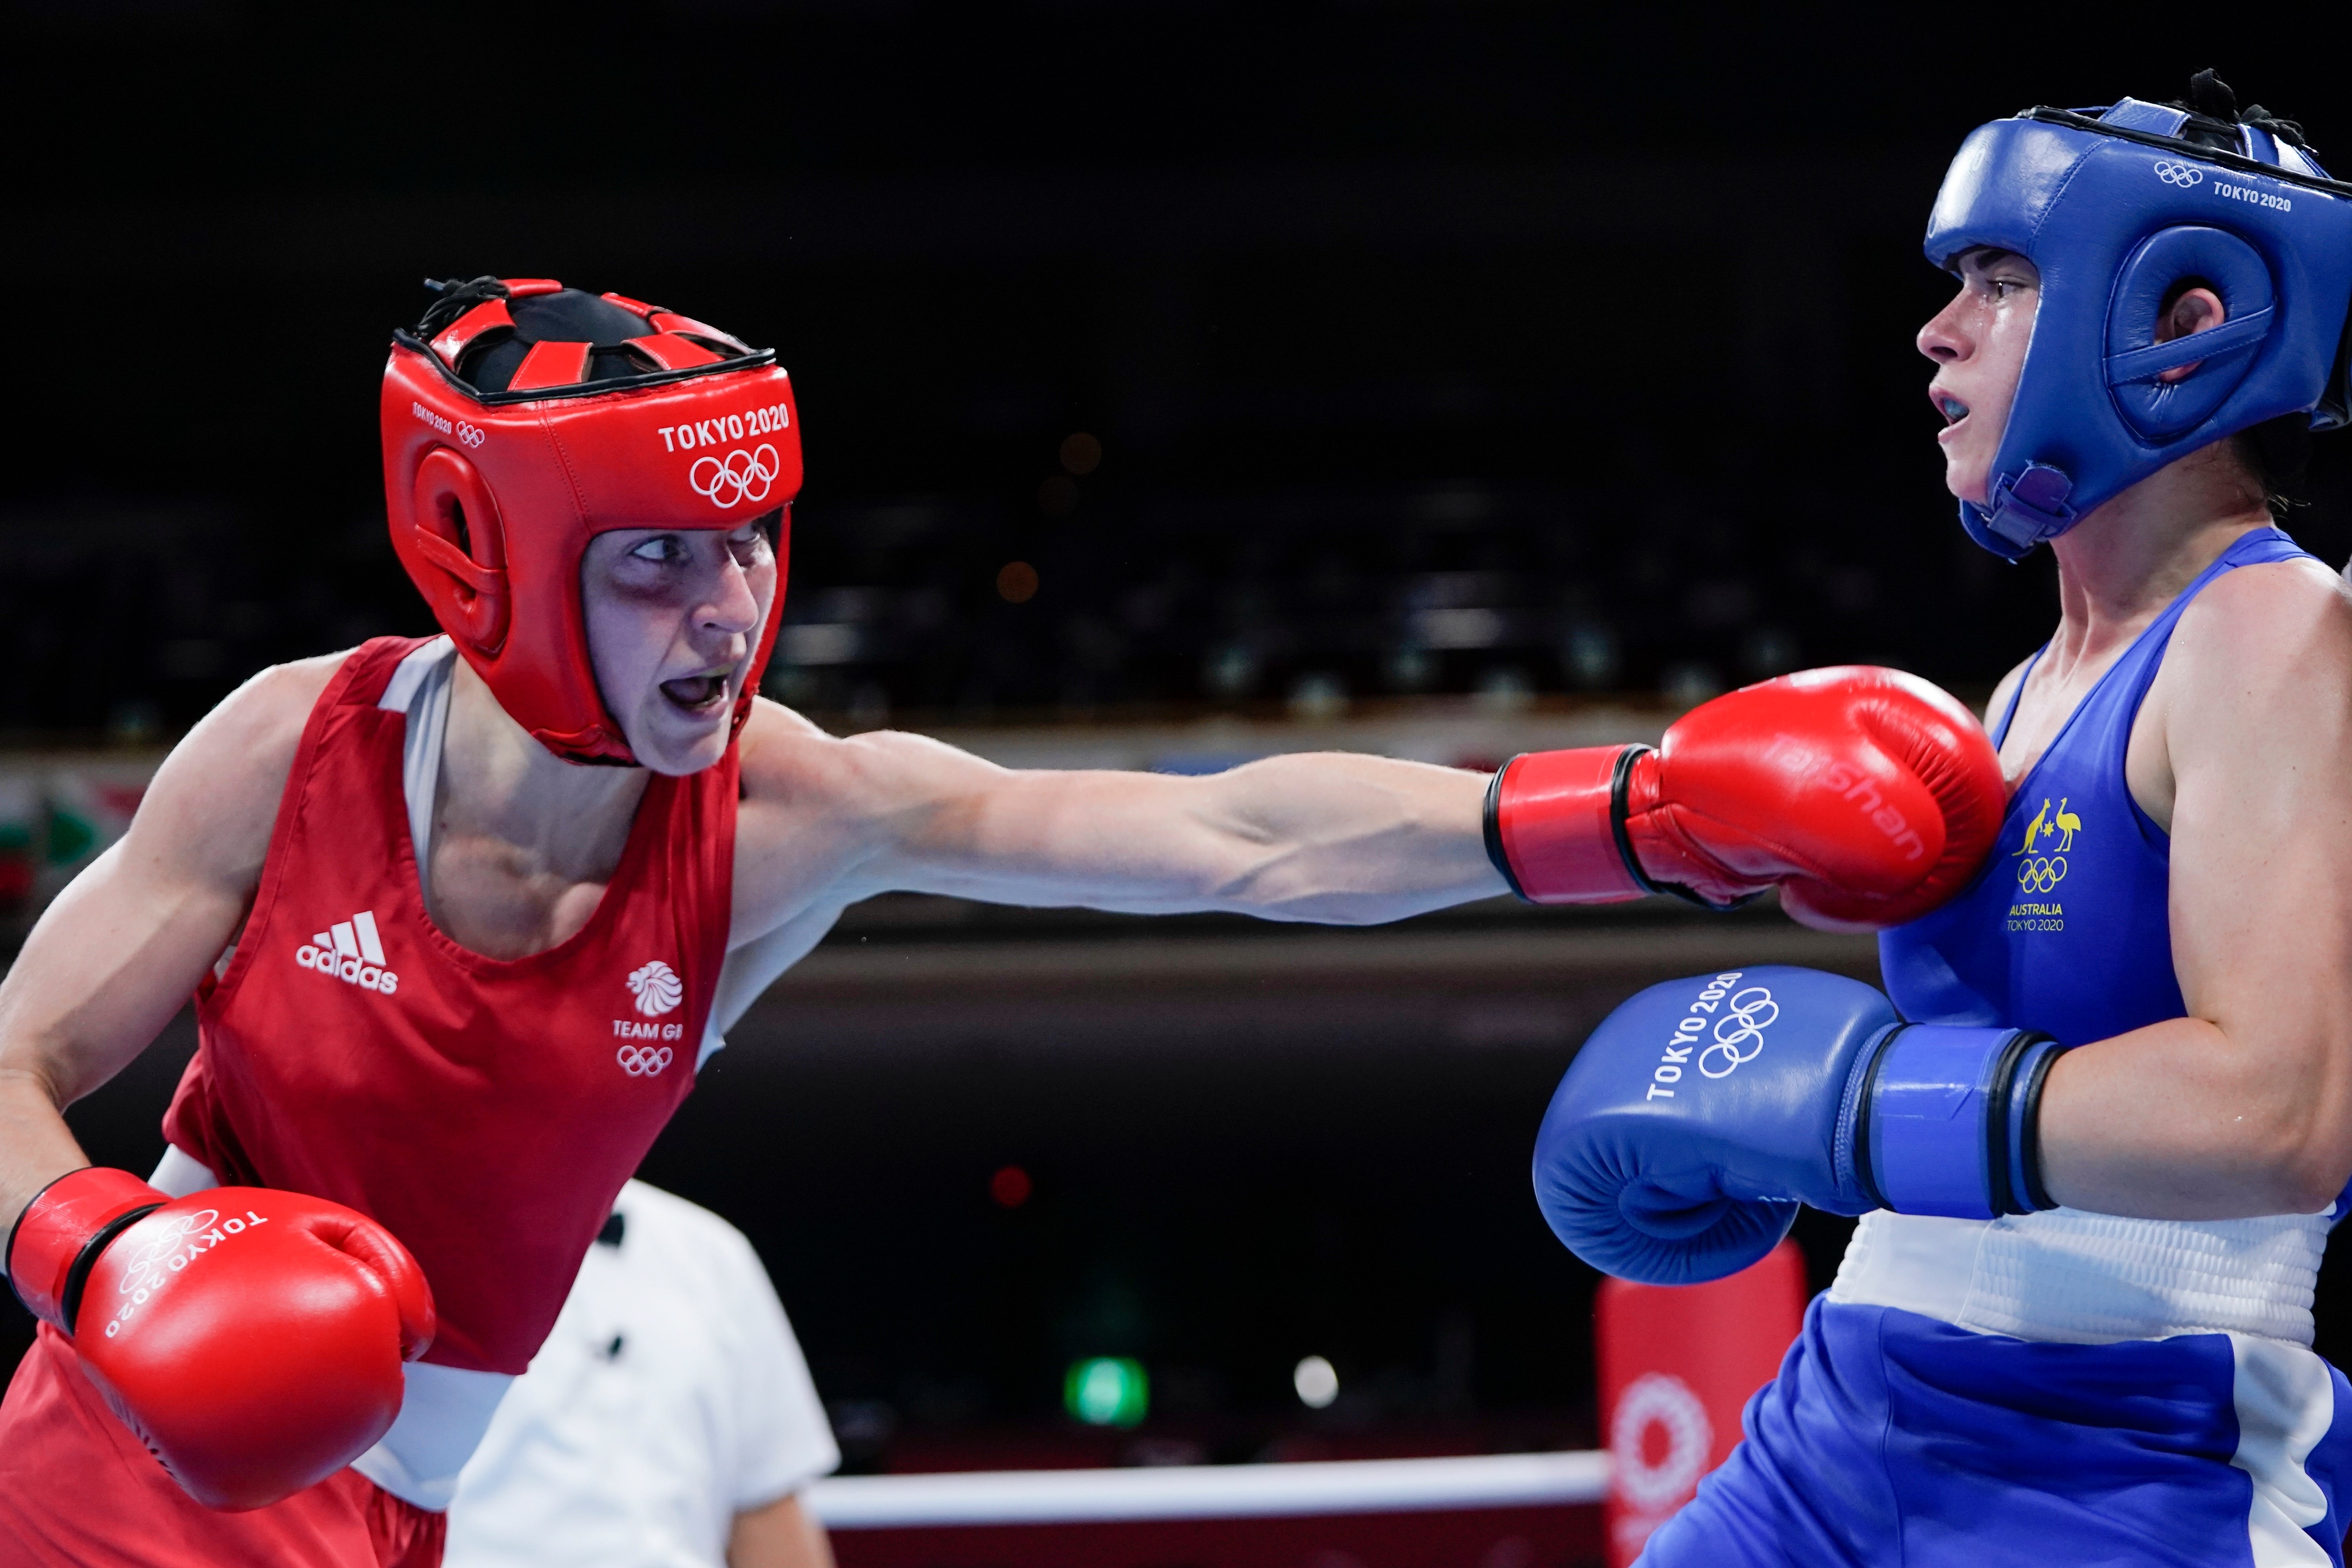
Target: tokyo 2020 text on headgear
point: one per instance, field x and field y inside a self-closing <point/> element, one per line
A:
<point x="522" y="418"/>
<point x="2119" y="208"/>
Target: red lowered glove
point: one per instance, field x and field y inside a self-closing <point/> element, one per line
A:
<point x="251" y="1338"/>
<point x="1868" y="797"/>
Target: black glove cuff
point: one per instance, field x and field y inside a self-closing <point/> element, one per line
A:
<point x="1865" y="1173"/>
<point x="2030" y="1130"/>
<point x="1621" y="781"/>
<point x="1493" y="825"/>
<point x="1620" y="784"/>
<point x="78" y="1277"/>
<point x="2001" y="1195"/>
<point x="2012" y="1119"/>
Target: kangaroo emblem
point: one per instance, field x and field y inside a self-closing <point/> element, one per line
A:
<point x="2068" y="823"/>
<point x="2039" y="828"/>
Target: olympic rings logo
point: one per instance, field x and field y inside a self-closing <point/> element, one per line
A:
<point x="2181" y="174"/>
<point x="471" y="434"/>
<point x="2037" y="873"/>
<point x="1749" y="1014"/>
<point x="147" y="1264"/>
<point x="742" y="475"/>
<point x="638" y="1061"/>
<point x="1658" y="1400"/>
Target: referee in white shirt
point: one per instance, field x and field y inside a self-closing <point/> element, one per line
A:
<point x="668" y="1422"/>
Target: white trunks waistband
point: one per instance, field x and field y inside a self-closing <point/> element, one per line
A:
<point x="2091" y="1278"/>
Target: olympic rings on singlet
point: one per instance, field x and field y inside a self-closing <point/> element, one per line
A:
<point x="1749" y="1014"/>
<point x="2038" y="873"/>
<point x="641" y="1061"/>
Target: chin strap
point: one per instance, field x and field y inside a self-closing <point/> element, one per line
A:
<point x="2027" y="509"/>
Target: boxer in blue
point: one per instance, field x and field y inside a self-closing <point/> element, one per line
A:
<point x="2098" y="1128"/>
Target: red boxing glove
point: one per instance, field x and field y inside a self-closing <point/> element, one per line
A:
<point x="1868" y="797"/>
<point x="251" y="1338"/>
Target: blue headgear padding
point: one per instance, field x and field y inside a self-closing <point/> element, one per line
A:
<point x="2155" y="408"/>
<point x="2116" y="211"/>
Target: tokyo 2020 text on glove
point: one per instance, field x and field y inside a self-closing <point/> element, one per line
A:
<point x="251" y="1338"/>
<point x="1702" y="1111"/>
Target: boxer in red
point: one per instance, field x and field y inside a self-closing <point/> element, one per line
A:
<point x="464" y="915"/>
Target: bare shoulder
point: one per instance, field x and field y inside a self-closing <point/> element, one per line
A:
<point x="215" y="800"/>
<point x="782" y="754"/>
<point x="817" y="808"/>
<point x="2259" y="673"/>
<point x="269" y="710"/>
<point x="2282" y="623"/>
<point x="787" y="759"/>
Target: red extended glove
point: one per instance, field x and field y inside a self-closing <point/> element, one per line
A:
<point x="1869" y="797"/>
<point x="252" y="1339"/>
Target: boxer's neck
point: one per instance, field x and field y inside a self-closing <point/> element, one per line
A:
<point x="523" y="842"/>
<point x="2120" y="566"/>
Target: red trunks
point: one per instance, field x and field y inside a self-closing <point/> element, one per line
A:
<point x="76" y="1491"/>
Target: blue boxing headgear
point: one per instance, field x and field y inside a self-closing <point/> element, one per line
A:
<point x="2118" y="208"/>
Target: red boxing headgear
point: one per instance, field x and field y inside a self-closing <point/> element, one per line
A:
<point x="522" y="418"/>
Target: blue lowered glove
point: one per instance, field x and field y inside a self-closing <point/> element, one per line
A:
<point x="1702" y="1111"/>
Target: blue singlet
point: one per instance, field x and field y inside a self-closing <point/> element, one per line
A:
<point x="1891" y="1436"/>
<point x="2068" y="929"/>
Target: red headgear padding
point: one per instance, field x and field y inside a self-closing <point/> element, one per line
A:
<point x="493" y="496"/>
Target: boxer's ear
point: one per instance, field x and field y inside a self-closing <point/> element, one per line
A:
<point x="2196" y="310"/>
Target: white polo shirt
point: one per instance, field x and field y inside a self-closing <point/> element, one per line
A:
<point x="670" y="1396"/>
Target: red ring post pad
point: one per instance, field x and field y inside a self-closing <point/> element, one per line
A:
<point x="1952" y="1120"/>
<point x="57" y="1225"/>
<point x="1549" y="832"/>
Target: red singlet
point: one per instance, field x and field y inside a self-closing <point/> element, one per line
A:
<point x="486" y="1111"/>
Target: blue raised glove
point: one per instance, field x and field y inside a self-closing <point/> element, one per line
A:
<point x="1702" y="1111"/>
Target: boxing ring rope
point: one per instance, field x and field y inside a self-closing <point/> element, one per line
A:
<point x="1210" y="1491"/>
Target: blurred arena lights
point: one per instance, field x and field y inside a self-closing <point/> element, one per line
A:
<point x="1016" y="582"/>
<point x="1010" y="1187"/>
<point x="1081" y="453"/>
<point x="1106" y="1391"/>
<point x="1316" y="1381"/>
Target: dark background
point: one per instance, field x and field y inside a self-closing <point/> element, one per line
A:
<point x="1596" y="319"/>
<point x="1600" y="318"/>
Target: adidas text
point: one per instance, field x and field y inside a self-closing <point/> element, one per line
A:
<point x="350" y="951"/>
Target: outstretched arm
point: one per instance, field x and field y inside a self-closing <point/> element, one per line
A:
<point x="1866" y="795"/>
<point x="2244" y="1107"/>
<point x="1326" y="836"/>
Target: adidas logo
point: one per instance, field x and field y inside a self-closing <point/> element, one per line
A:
<point x="350" y="951"/>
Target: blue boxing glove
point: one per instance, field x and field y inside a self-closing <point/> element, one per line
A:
<point x="1702" y="1111"/>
